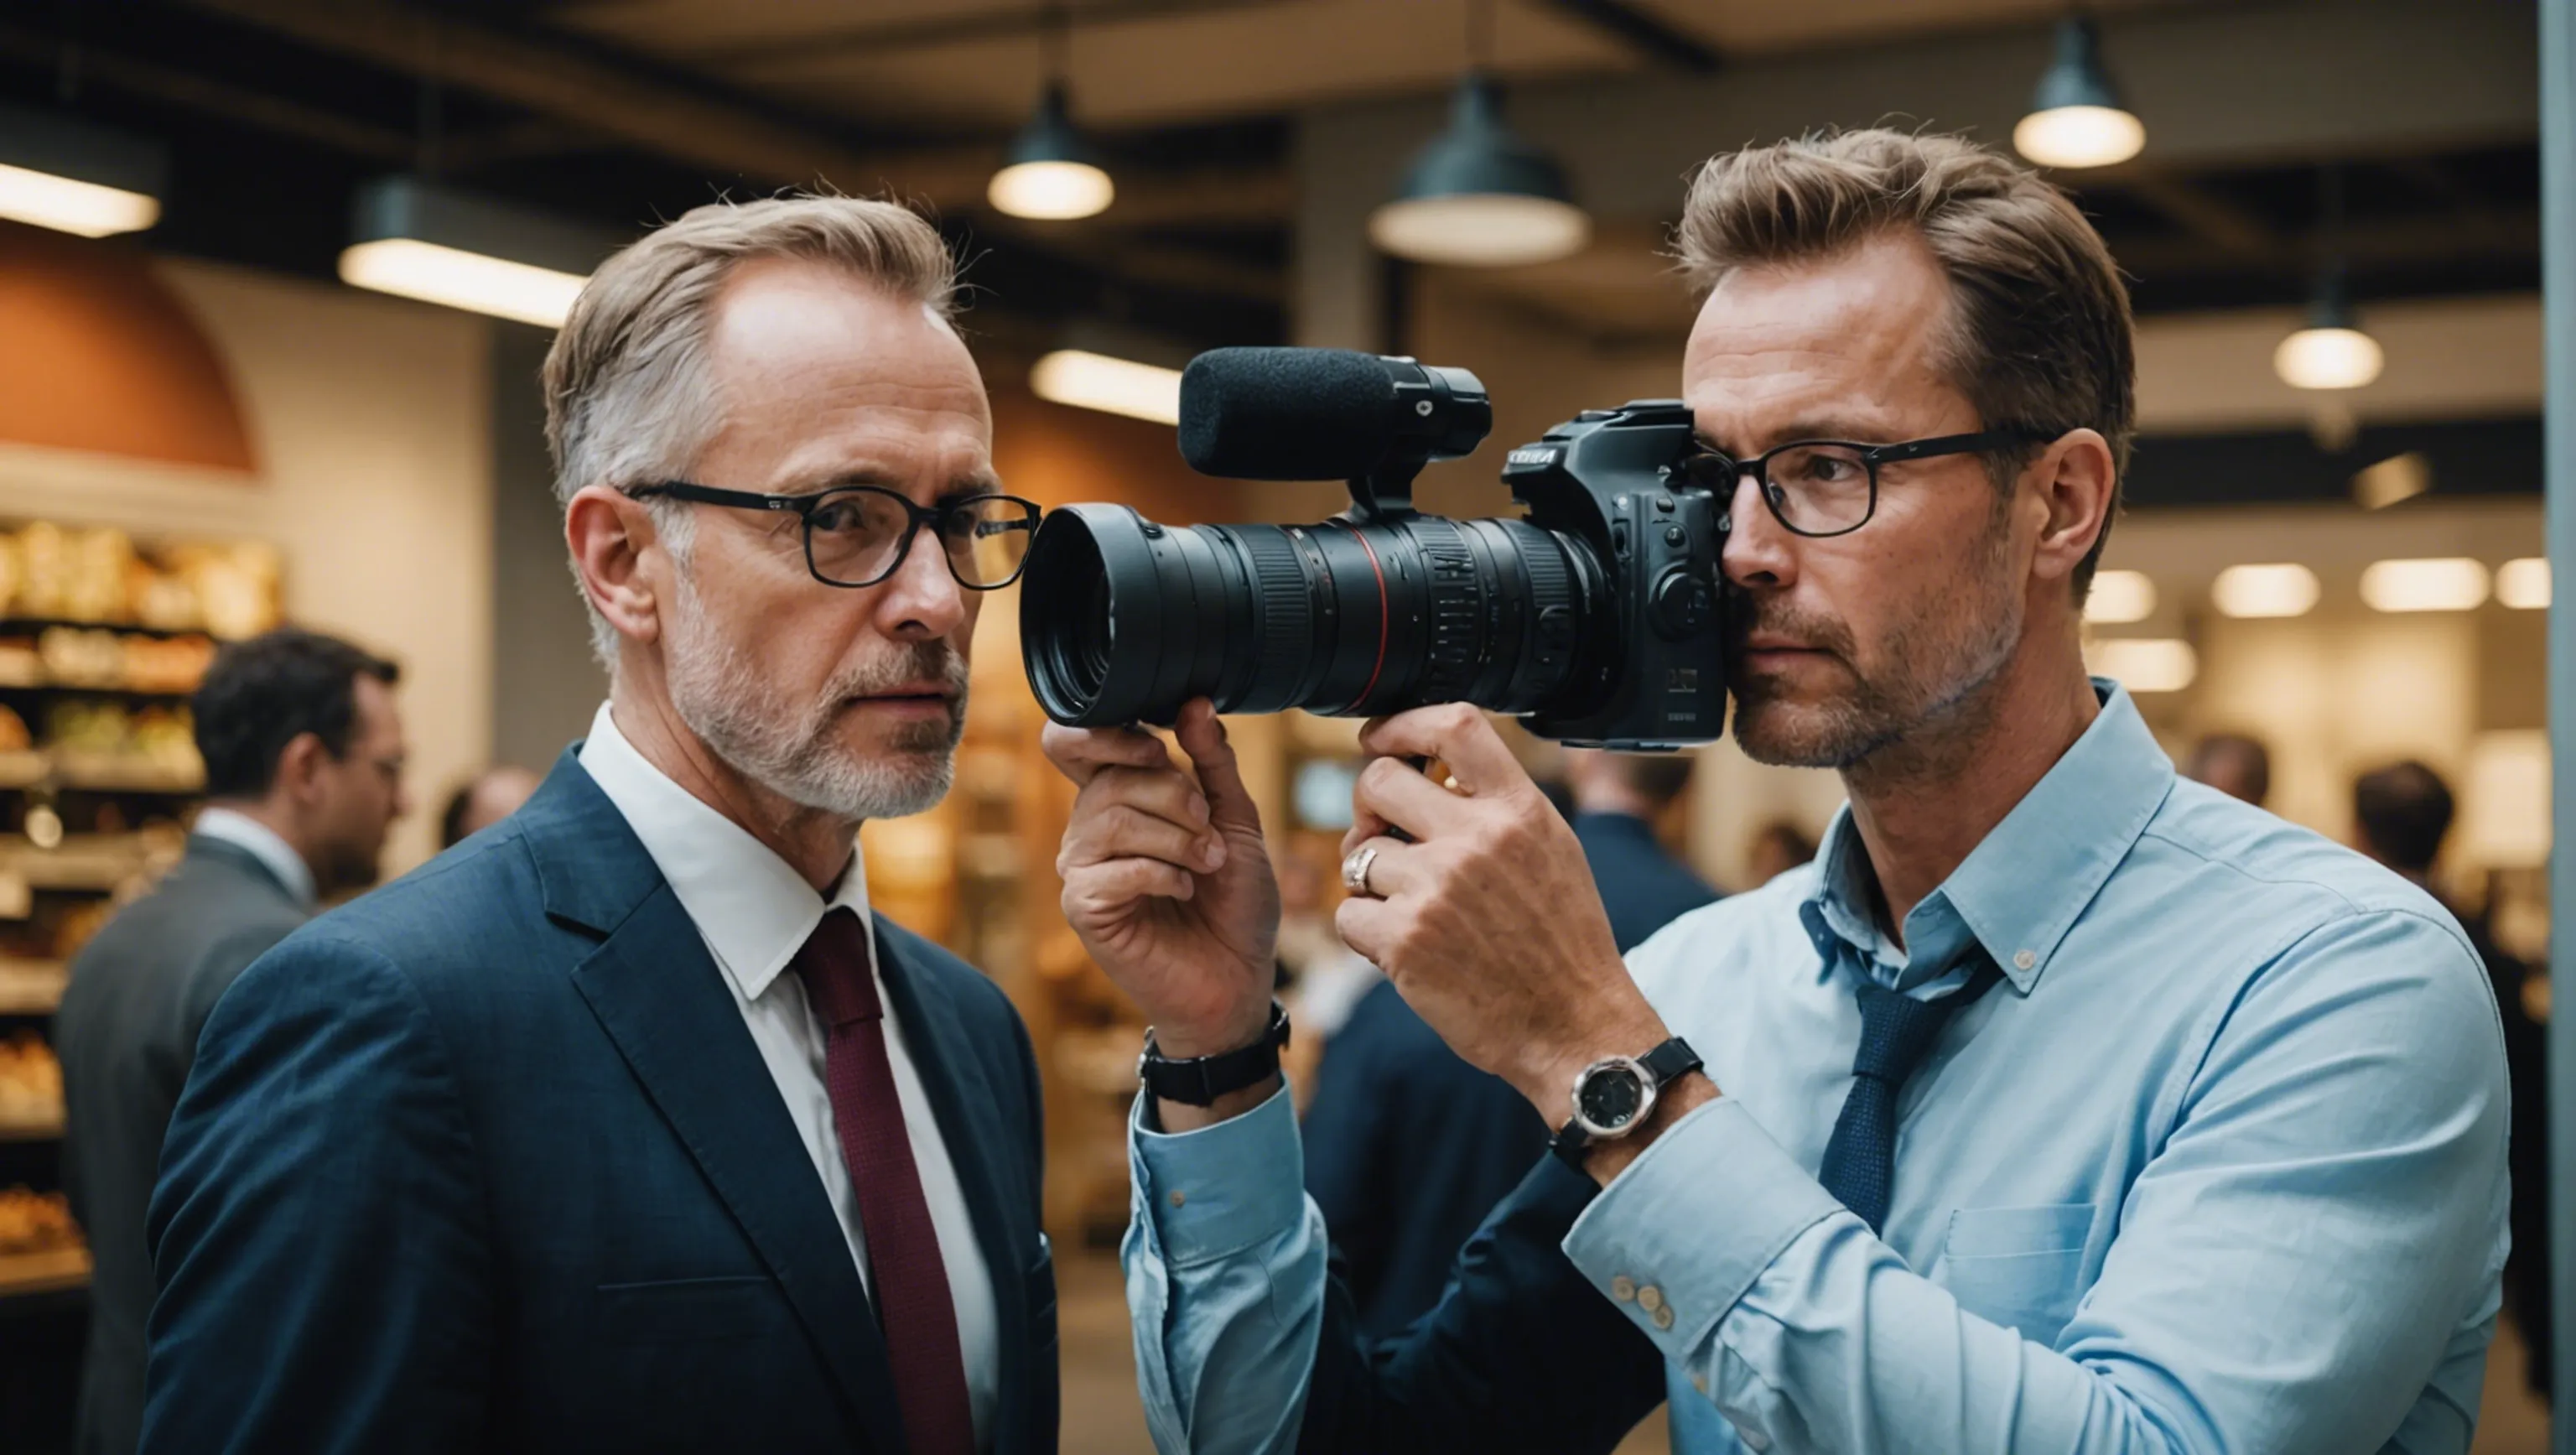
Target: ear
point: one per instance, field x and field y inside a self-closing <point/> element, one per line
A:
<point x="2077" y="483"/>
<point x="299" y="767"/>
<point x="610" y="537"/>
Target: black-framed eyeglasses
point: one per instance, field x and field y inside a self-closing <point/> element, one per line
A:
<point x="1830" y="487"/>
<point x="856" y="535"/>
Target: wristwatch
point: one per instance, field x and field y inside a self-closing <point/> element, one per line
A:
<point x="1613" y="1097"/>
<point x="1200" y="1080"/>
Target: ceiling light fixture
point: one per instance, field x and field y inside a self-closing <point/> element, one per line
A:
<point x="2274" y="589"/>
<point x="2435" y="583"/>
<point x="2523" y="583"/>
<point x="72" y="176"/>
<point x="2076" y="116"/>
<point x="1478" y="196"/>
<point x="2331" y="352"/>
<point x="2145" y="664"/>
<point x="420" y="240"/>
<point x="1087" y="380"/>
<point x="2120" y="597"/>
<point x="1051" y="172"/>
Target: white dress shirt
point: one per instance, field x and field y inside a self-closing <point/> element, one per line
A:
<point x="755" y="913"/>
<point x="262" y="843"/>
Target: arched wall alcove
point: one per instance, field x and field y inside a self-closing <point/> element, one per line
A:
<point x="98" y="354"/>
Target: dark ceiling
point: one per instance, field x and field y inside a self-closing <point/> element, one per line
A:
<point x="270" y="133"/>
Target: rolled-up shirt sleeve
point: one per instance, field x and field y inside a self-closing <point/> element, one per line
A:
<point x="1225" y="1262"/>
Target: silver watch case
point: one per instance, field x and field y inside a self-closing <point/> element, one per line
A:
<point x="1647" y="1090"/>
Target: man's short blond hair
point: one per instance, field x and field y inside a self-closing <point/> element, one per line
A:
<point x="628" y="397"/>
<point x="2042" y="334"/>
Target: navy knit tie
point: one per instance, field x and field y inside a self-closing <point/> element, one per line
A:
<point x="1896" y="1031"/>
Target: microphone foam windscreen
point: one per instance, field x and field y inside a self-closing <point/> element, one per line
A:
<point x="1286" y="414"/>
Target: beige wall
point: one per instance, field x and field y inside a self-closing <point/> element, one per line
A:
<point x="370" y="419"/>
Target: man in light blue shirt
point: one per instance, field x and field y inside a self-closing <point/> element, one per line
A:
<point x="2061" y="1105"/>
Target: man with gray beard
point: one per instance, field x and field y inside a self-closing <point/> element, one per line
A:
<point x="626" y="1125"/>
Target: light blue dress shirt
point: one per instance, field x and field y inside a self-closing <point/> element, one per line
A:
<point x="2219" y="1165"/>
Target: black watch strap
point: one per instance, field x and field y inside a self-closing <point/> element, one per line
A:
<point x="1665" y="1064"/>
<point x="1200" y="1080"/>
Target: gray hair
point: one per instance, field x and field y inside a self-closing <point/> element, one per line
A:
<point x="628" y="400"/>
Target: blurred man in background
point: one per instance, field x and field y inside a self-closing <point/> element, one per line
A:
<point x="631" y="1125"/>
<point x="484" y="800"/>
<point x="1617" y="799"/>
<point x="2401" y="814"/>
<point x="2234" y="764"/>
<point x="304" y="760"/>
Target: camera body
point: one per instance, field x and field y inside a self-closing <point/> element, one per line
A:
<point x="1597" y="618"/>
<point x="1607" y="478"/>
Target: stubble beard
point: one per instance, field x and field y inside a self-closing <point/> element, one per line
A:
<point x="1939" y="666"/>
<point x="794" y="749"/>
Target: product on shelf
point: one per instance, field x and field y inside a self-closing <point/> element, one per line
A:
<point x="175" y="665"/>
<point x="31" y="1082"/>
<point x="77" y="924"/>
<point x="14" y="737"/>
<point x="77" y="657"/>
<point x="35" y="1222"/>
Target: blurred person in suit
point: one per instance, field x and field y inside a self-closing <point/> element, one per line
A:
<point x="628" y="1124"/>
<point x="484" y="800"/>
<point x="2234" y="764"/>
<point x="1407" y="1146"/>
<point x="304" y="761"/>
<point x="2401" y="814"/>
<point x="1617" y="798"/>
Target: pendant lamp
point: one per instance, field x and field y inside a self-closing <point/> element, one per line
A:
<point x="1051" y="173"/>
<point x="2076" y="116"/>
<point x="2332" y="351"/>
<point x="1480" y="197"/>
<point x="418" y="239"/>
<point x="60" y="172"/>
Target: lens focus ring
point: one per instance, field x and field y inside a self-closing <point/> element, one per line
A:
<point x="1286" y="607"/>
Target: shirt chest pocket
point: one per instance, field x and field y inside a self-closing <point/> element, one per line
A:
<point x="2022" y="1267"/>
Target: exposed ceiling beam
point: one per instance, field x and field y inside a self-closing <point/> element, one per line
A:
<point x="2215" y="221"/>
<point x="153" y="81"/>
<point x="571" y="84"/>
<point x="573" y="88"/>
<point x="2502" y="233"/>
<point x="1648" y="34"/>
<point x="943" y="30"/>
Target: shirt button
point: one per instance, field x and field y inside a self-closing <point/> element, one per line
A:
<point x="1650" y="1298"/>
<point x="1179" y="1197"/>
<point x="1623" y="1288"/>
<point x="2024" y="959"/>
<point x="1664" y="1317"/>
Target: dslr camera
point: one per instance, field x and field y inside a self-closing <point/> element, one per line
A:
<point x="1596" y="617"/>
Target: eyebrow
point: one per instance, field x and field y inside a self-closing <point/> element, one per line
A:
<point x="966" y="487"/>
<point x="1839" y="431"/>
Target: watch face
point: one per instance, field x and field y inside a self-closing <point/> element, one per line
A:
<point x="1611" y="1096"/>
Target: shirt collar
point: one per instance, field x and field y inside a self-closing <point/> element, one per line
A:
<point x="754" y="910"/>
<point x="263" y="843"/>
<point x="2020" y="890"/>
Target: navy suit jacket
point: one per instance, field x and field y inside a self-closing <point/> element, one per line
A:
<point x="488" y="1161"/>
<point x="1407" y="1148"/>
<point x="1642" y="887"/>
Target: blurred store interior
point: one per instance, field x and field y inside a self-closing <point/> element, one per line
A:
<point x="203" y="428"/>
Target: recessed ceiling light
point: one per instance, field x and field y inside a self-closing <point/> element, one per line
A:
<point x="2119" y="597"/>
<point x="2435" y="583"/>
<point x="2282" y="588"/>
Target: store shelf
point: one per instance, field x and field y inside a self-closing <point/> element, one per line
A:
<point x="100" y="862"/>
<point x="97" y="689"/>
<point x="28" y="626"/>
<point x="110" y="773"/>
<point x="51" y="1271"/>
<point x="44" y="1131"/>
<point x="31" y="987"/>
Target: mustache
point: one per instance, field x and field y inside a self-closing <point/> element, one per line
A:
<point x="922" y="661"/>
<point x="1773" y="617"/>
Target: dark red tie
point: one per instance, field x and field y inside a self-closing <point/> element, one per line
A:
<point x="911" y="1281"/>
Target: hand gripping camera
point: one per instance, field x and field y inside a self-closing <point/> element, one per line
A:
<point x="1597" y="617"/>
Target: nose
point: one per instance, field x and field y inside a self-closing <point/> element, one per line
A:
<point x="921" y="601"/>
<point x="1760" y="552"/>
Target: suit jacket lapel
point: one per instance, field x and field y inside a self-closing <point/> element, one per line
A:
<point x="963" y="1099"/>
<point x="658" y="994"/>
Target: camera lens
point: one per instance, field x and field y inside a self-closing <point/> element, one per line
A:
<point x="1122" y="620"/>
